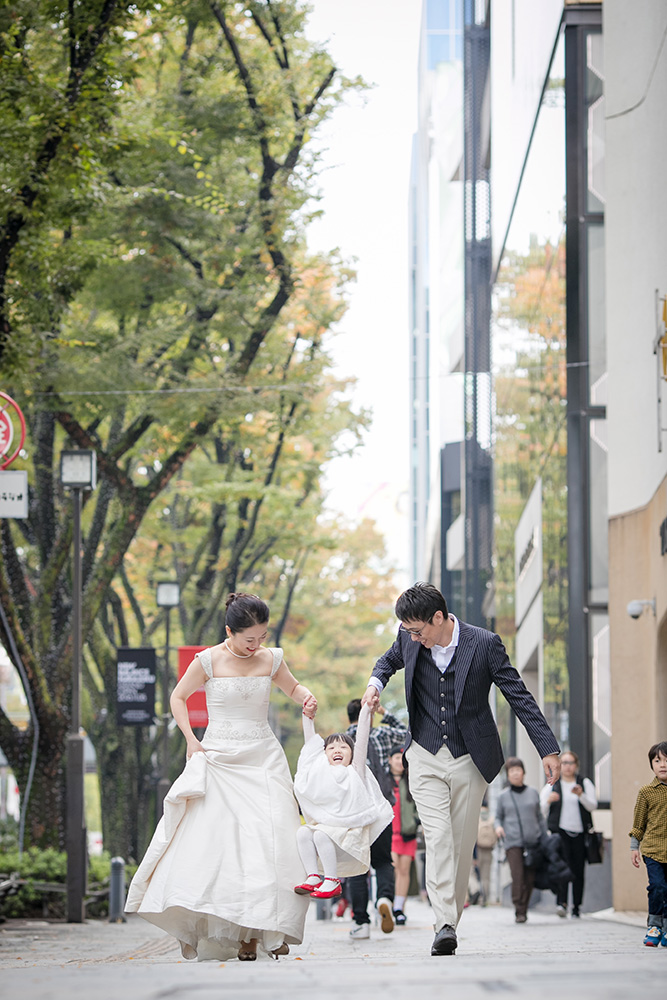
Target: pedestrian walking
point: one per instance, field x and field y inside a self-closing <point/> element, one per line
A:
<point x="486" y="841"/>
<point x="648" y="840"/>
<point x="380" y="742"/>
<point x="453" y="748"/>
<point x="220" y="871"/>
<point x="404" y="833"/>
<point x="342" y="804"/>
<point x="520" y="824"/>
<point x="567" y="806"/>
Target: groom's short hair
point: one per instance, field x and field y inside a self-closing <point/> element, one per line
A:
<point x="419" y="603"/>
<point x="353" y="710"/>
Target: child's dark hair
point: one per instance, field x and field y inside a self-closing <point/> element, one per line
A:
<point x="339" y="738"/>
<point x="656" y="750"/>
<point x="242" y="611"/>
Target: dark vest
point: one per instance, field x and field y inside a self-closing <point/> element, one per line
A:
<point x="553" y="819"/>
<point x="433" y="721"/>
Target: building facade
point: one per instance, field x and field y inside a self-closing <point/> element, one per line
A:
<point x="635" y="58"/>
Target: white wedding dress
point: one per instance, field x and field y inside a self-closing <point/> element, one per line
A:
<point x="223" y="862"/>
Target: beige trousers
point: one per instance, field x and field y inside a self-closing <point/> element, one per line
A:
<point x="448" y="793"/>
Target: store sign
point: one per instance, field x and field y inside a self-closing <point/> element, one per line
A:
<point x="13" y="494"/>
<point x="135" y="698"/>
<point x="197" y="711"/>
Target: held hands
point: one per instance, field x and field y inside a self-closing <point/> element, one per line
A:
<point x="551" y="765"/>
<point x="309" y="705"/>
<point x="577" y="790"/>
<point x="371" y="698"/>
<point x="500" y="832"/>
<point x="634" y="857"/>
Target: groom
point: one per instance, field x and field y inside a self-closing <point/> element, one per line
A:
<point x="453" y="748"/>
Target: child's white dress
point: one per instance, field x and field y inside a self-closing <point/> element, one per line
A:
<point x="346" y="803"/>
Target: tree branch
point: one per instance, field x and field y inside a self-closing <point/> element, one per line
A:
<point x="242" y="70"/>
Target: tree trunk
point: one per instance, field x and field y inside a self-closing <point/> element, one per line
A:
<point x="45" y="819"/>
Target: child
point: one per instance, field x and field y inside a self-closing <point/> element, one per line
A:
<point x="649" y="827"/>
<point x="343" y="807"/>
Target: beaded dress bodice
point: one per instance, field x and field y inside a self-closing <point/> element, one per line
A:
<point x="237" y="706"/>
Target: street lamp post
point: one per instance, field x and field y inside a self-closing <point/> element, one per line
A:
<point x="78" y="472"/>
<point x="168" y="596"/>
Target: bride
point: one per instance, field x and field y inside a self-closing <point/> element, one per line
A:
<point x="220" y="871"/>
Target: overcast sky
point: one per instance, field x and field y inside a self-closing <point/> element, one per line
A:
<point x="365" y="196"/>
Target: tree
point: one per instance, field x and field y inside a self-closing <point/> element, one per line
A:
<point x="531" y="441"/>
<point x="61" y="71"/>
<point x="162" y="224"/>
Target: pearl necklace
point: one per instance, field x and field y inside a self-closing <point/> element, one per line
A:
<point x="241" y="656"/>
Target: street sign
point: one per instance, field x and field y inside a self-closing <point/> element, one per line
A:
<point x="135" y="696"/>
<point x="197" y="711"/>
<point x="10" y="413"/>
<point x="13" y="494"/>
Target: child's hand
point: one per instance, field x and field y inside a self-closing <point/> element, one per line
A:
<point x="310" y="705"/>
<point x="634" y="857"/>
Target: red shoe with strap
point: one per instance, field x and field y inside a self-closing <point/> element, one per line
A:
<point x="328" y="893"/>
<point x="306" y="889"/>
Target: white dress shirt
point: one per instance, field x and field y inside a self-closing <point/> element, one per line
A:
<point x="442" y="655"/>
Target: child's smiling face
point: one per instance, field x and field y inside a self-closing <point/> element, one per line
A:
<point x="659" y="765"/>
<point x="338" y="752"/>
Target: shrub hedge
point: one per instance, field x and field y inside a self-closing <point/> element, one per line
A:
<point x="50" y="866"/>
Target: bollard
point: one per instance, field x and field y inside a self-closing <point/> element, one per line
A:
<point x="117" y="892"/>
<point x="323" y="910"/>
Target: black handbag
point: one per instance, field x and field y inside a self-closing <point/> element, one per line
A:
<point x="533" y="856"/>
<point x="594" y="847"/>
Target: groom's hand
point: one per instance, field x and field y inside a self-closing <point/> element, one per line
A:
<point x="551" y="765"/>
<point x="371" y="697"/>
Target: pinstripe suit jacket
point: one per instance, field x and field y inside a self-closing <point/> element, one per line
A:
<point x="481" y="660"/>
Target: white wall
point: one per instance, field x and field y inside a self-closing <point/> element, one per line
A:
<point x="528" y="545"/>
<point x="521" y="49"/>
<point x="635" y="38"/>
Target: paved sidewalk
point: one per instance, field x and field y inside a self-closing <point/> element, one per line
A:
<point x="548" y="957"/>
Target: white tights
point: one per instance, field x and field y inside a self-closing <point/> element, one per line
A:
<point x="312" y="843"/>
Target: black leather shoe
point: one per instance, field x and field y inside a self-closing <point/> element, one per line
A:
<point x="444" y="942"/>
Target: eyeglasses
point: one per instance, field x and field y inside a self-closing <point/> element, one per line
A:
<point x="415" y="631"/>
<point x="569" y="762"/>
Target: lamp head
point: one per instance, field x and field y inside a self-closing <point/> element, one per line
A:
<point x="78" y="469"/>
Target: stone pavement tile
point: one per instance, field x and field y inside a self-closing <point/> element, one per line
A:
<point x="544" y="959"/>
<point x="25" y="943"/>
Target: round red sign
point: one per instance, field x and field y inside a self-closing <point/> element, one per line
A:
<point x="10" y="413"/>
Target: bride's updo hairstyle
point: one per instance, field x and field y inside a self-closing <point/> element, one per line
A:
<point x="242" y="611"/>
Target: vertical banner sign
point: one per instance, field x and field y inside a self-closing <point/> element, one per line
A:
<point x="135" y="698"/>
<point x="197" y="712"/>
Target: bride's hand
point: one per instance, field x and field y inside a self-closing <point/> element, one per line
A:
<point x="310" y="705"/>
<point x="194" y="746"/>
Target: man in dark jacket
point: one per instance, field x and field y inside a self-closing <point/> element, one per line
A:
<point x="453" y="747"/>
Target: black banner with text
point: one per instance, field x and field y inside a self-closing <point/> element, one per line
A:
<point x="136" y="674"/>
